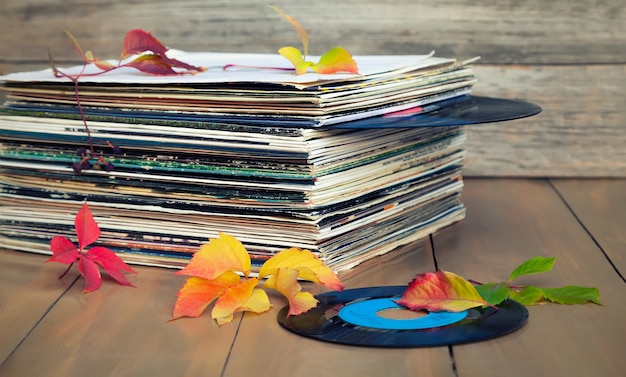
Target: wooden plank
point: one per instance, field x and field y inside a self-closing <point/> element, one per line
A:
<point x="600" y="204"/>
<point x="508" y="222"/>
<point x="262" y="347"/>
<point x="578" y="134"/>
<point x="122" y="331"/>
<point x="529" y="32"/>
<point x="28" y="288"/>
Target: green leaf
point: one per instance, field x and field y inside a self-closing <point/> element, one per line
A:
<point x="572" y="294"/>
<point x="533" y="266"/>
<point x="494" y="293"/>
<point x="530" y="295"/>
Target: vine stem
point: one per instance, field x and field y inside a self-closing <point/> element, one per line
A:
<point x="66" y="271"/>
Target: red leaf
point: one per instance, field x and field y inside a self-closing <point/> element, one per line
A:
<point x="138" y="41"/>
<point x="63" y="250"/>
<point x="111" y="263"/>
<point x="87" y="229"/>
<point x="89" y="269"/>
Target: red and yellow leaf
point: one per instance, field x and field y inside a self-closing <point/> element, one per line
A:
<point x="87" y="229"/>
<point x="309" y="267"/>
<point x="285" y="280"/>
<point x="63" y="250"/>
<point x="152" y="64"/>
<point x="441" y="291"/>
<point x="198" y="293"/>
<point x="221" y="254"/>
<point x="304" y="36"/>
<point x="240" y="297"/>
<point x="336" y="60"/>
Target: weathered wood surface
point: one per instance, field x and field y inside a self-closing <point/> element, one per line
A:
<point x="509" y="221"/>
<point x="568" y="57"/>
<point x="123" y="331"/>
<point x="115" y="331"/>
<point x="599" y="205"/>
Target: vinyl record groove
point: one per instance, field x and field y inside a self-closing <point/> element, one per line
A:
<point x="349" y="317"/>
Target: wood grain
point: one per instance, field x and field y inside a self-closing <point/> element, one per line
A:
<point x="505" y="31"/>
<point x="600" y="205"/>
<point x="580" y="132"/>
<point x="287" y="354"/>
<point x="567" y="57"/>
<point x="508" y="222"/>
<point x="122" y="331"/>
<point x="28" y="288"/>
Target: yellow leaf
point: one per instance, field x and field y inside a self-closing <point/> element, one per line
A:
<point x="304" y="36"/>
<point x="295" y="57"/>
<point x="285" y="280"/>
<point x="221" y="254"/>
<point x="309" y="267"/>
<point x="336" y="60"/>
<point x="235" y="298"/>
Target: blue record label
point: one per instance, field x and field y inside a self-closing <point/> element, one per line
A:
<point x="365" y="313"/>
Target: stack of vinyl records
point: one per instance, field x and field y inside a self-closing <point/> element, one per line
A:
<point x="335" y="164"/>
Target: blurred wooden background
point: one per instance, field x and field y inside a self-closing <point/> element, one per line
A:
<point x="567" y="56"/>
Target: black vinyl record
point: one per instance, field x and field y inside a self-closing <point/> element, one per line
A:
<point x="349" y="317"/>
<point x="458" y="111"/>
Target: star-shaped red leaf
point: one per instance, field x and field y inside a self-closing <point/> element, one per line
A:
<point x="87" y="232"/>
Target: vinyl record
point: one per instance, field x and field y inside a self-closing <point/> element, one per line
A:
<point x="458" y="111"/>
<point x="350" y="317"/>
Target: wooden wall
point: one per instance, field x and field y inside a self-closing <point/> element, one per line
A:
<point x="569" y="56"/>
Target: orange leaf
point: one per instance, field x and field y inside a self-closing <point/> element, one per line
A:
<point x="336" y="60"/>
<point x="309" y="267"/>
<point x="441" y="291"/>
<point x="240" y="297"/>
<point x="285" y="280"/>
<point x="198" y="293"/>
<point x="221" y="254"/>
<point x="304" y="36"/>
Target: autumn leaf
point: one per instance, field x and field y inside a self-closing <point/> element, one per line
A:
<point x="441" y="291"/>
<point x="214" y="277"/>
<point x="336" y="60"/>
<point x="285" y="280"/>
<point x="242" y="296"/>
<point x="138" y="41"/>
<point x="309" y="267"/>
<point x="225" y="253"/>
<point x="89" y="261"/>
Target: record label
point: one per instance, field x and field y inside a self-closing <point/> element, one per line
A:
<point x="365" y="313"/>
<point x="351" y="317"/>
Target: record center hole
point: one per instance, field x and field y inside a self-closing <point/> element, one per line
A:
<point x="401" y="313"/>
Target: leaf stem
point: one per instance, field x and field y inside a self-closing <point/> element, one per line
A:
<point x="66" y="271"/>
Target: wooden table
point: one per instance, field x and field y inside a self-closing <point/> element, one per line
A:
<point x="50" y="328"/>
